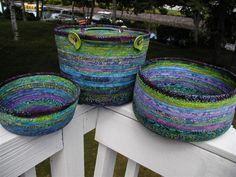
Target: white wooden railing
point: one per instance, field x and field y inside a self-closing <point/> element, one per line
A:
<point x="117" y="131"/>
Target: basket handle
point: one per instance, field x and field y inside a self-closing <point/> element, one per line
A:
<point x="74" y="39"/>
<point x="138" y="42"/>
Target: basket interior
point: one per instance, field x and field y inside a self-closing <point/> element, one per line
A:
<point x="36" y="94"/>
<point x="188" y="78"/>
<point x="103" y="32"/>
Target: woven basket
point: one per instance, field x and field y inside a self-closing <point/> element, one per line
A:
<point x="185" y="100"/>
<point x="37" y="104"/>
<point x="102" y="60"/>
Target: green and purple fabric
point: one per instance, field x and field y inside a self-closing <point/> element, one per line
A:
<point x="102" y="60"/>
<point x="37" y="104"/>
<point x="185" y="100"/>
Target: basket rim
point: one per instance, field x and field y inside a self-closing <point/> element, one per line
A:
<point x="194" y="98"/>
<point x="38" y="114"/>
<point x="58" y="31"/>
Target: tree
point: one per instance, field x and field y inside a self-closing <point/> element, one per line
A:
<point x="219" y="13"/>
<point x="42" y="7"/>
<point x="11" y="5"/>
<point x="23" y="10"/>
<point x="1" y="2"/>
<point x="73" y="10"/>
<point x="197" y="10"/>
<point x="37" y="9"/>
<point x="114" y="11"/>
<point x="92" y="10"/>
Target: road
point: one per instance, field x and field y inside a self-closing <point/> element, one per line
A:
<point x="168" y="20"/>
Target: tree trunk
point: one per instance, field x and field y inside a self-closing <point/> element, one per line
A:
<point x="73" y="10"/>
<point x="222" y="10"/>
<point x="2" y="6"/>
<point x="37" y="9"/>
<point x="23" y="10"/>
<point x="13" y="20"/>
<point x="84" y="11"/>
<point x="122" y="11"/>
<point x="41" y="13"/>
<point x="113" y="11"/>
<point x="92" y="10"/>
<point x="234" y="57"/>
<point x="196" y="21"/>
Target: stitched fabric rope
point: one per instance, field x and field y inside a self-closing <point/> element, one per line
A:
<point x="106" y="63"/>
<point x="37" y="104"/>
<point x="185" y="100"/>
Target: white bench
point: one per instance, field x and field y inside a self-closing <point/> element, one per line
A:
<point x="117" y="130"/>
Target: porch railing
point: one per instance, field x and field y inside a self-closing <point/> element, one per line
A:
<point x="117" y="131"/>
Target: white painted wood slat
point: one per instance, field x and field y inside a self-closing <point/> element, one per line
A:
<point x="164" y="156"/>
<point x="224" y="145"/>
<point x="132" y="169"/>
<point x="70" y="161"/>
<point x="30" y="173"/>
<point x="105" y="162"/>
<point x="19" y="154"/>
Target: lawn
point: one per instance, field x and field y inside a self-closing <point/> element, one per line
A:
<point x="36" y="52"/>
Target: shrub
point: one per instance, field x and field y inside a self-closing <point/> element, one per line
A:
<point x="163" y="11"/>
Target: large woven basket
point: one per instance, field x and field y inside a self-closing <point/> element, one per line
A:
<point x="37" y="104"/>
<point x="102" y="60"/>
<point x="185" y="100"/>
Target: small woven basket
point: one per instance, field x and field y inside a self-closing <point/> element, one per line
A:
<point x="103" y="60"/>
<point x="185" y="100"/>
<point x="37" y="104"/>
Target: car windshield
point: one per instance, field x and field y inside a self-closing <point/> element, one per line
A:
<point x="98" y="16"/>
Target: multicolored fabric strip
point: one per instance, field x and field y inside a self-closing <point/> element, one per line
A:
<point x="106" y="63"/>
<point x="37" y="104"/>
<point x="185" y="100"/>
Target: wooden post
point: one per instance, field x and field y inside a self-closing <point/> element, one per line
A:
<point x="70" y="161"/>
<point x="132" y="169"/>
<point x="105" y="162"/>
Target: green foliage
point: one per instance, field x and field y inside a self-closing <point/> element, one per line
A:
<point x="163" y="11"/>
<point x="103" y="5"/>
<point x="54" y="2"/>
<point x="66" y="2"/>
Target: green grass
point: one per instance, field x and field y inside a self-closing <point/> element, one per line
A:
<point x="36" y="52"/>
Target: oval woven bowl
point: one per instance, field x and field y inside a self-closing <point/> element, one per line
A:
<point x="185" y="100"/>
<point x="103" y="60"/>
<point x="37" y="104"/>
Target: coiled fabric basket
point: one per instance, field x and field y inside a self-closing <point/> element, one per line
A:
<point x="37" y="104"/>
<point x="185" y="100"/>
<point x="102" y="60"/>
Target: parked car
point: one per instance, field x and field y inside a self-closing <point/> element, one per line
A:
<point x="61" y="15"/>
<point x="102" y="17"/>
<point x="119" y="22"/>
<point x="153" y="36"/>
<point x="55" y="14"/>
